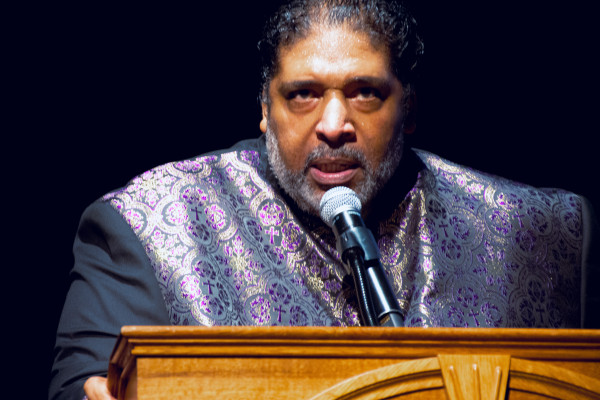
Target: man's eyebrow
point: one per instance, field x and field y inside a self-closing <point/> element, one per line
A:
<point x="369" y="80"/>
<point x="376" y="81"/>
<point x="290" y="86"/>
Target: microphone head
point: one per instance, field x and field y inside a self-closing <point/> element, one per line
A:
<point x="336" y="200"/>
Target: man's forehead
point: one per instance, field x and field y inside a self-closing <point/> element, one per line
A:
<point x="328" y="50"/>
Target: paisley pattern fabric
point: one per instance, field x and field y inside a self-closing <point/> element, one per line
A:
<point x="461" y="249"/>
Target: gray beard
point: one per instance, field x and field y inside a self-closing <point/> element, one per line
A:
<point x="306" y="196"/>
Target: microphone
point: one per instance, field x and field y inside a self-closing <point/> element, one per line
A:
<point x="340" y="209"/>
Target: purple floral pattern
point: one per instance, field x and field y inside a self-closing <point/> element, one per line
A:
<point x="463" y="249"/>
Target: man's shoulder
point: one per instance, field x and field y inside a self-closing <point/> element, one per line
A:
<point x="478" y="183"/>
<point x="247" y="155"/>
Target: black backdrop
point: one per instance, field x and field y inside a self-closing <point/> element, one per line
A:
<point x="106" y="91"/>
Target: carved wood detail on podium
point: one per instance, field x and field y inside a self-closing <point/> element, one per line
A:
<point x="355" y="363"/>
<point x="479" y="377"/>
<point x="465" y="377"/>
<point x="416" y="376"/>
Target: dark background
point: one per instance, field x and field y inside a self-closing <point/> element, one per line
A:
<point x="103" y="92"/>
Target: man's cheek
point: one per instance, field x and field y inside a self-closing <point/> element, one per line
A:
<point x="292" y="156"/>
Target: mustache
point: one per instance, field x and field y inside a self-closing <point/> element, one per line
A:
<point x="345" y="152"/>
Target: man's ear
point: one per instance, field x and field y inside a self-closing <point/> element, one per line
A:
<point x="410" y="113"/>
<point x="263" y="121"/>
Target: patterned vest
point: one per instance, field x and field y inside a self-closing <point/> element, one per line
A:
<point x="463" y="248"/>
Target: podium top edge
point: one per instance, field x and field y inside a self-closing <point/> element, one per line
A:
<point x="361" y="333"/>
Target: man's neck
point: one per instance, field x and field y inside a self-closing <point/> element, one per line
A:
<point x="394" y="192"/>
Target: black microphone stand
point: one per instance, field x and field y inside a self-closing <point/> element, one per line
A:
<point x="360" y="253"/>
<point x="354" y="260"/>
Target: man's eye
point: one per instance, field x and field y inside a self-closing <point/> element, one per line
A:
<point x="367" y="98"/>
<point x="302" y="100"/>
<point x="300" y="95"/>
<point x="367" y="93"/>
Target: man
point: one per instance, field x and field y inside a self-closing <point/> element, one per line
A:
<point x="234" y="238"/>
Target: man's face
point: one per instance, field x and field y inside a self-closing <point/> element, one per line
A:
<point x="335" y="117"/>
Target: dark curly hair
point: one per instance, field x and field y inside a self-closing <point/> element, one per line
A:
<point x="387" y="23"/>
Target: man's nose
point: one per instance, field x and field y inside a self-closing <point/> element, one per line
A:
<point x="335" y="127"/>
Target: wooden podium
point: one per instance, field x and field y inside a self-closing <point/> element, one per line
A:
<point x="321" y="363"/>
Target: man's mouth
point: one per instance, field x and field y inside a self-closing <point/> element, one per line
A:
<point x="333" y="172"/>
